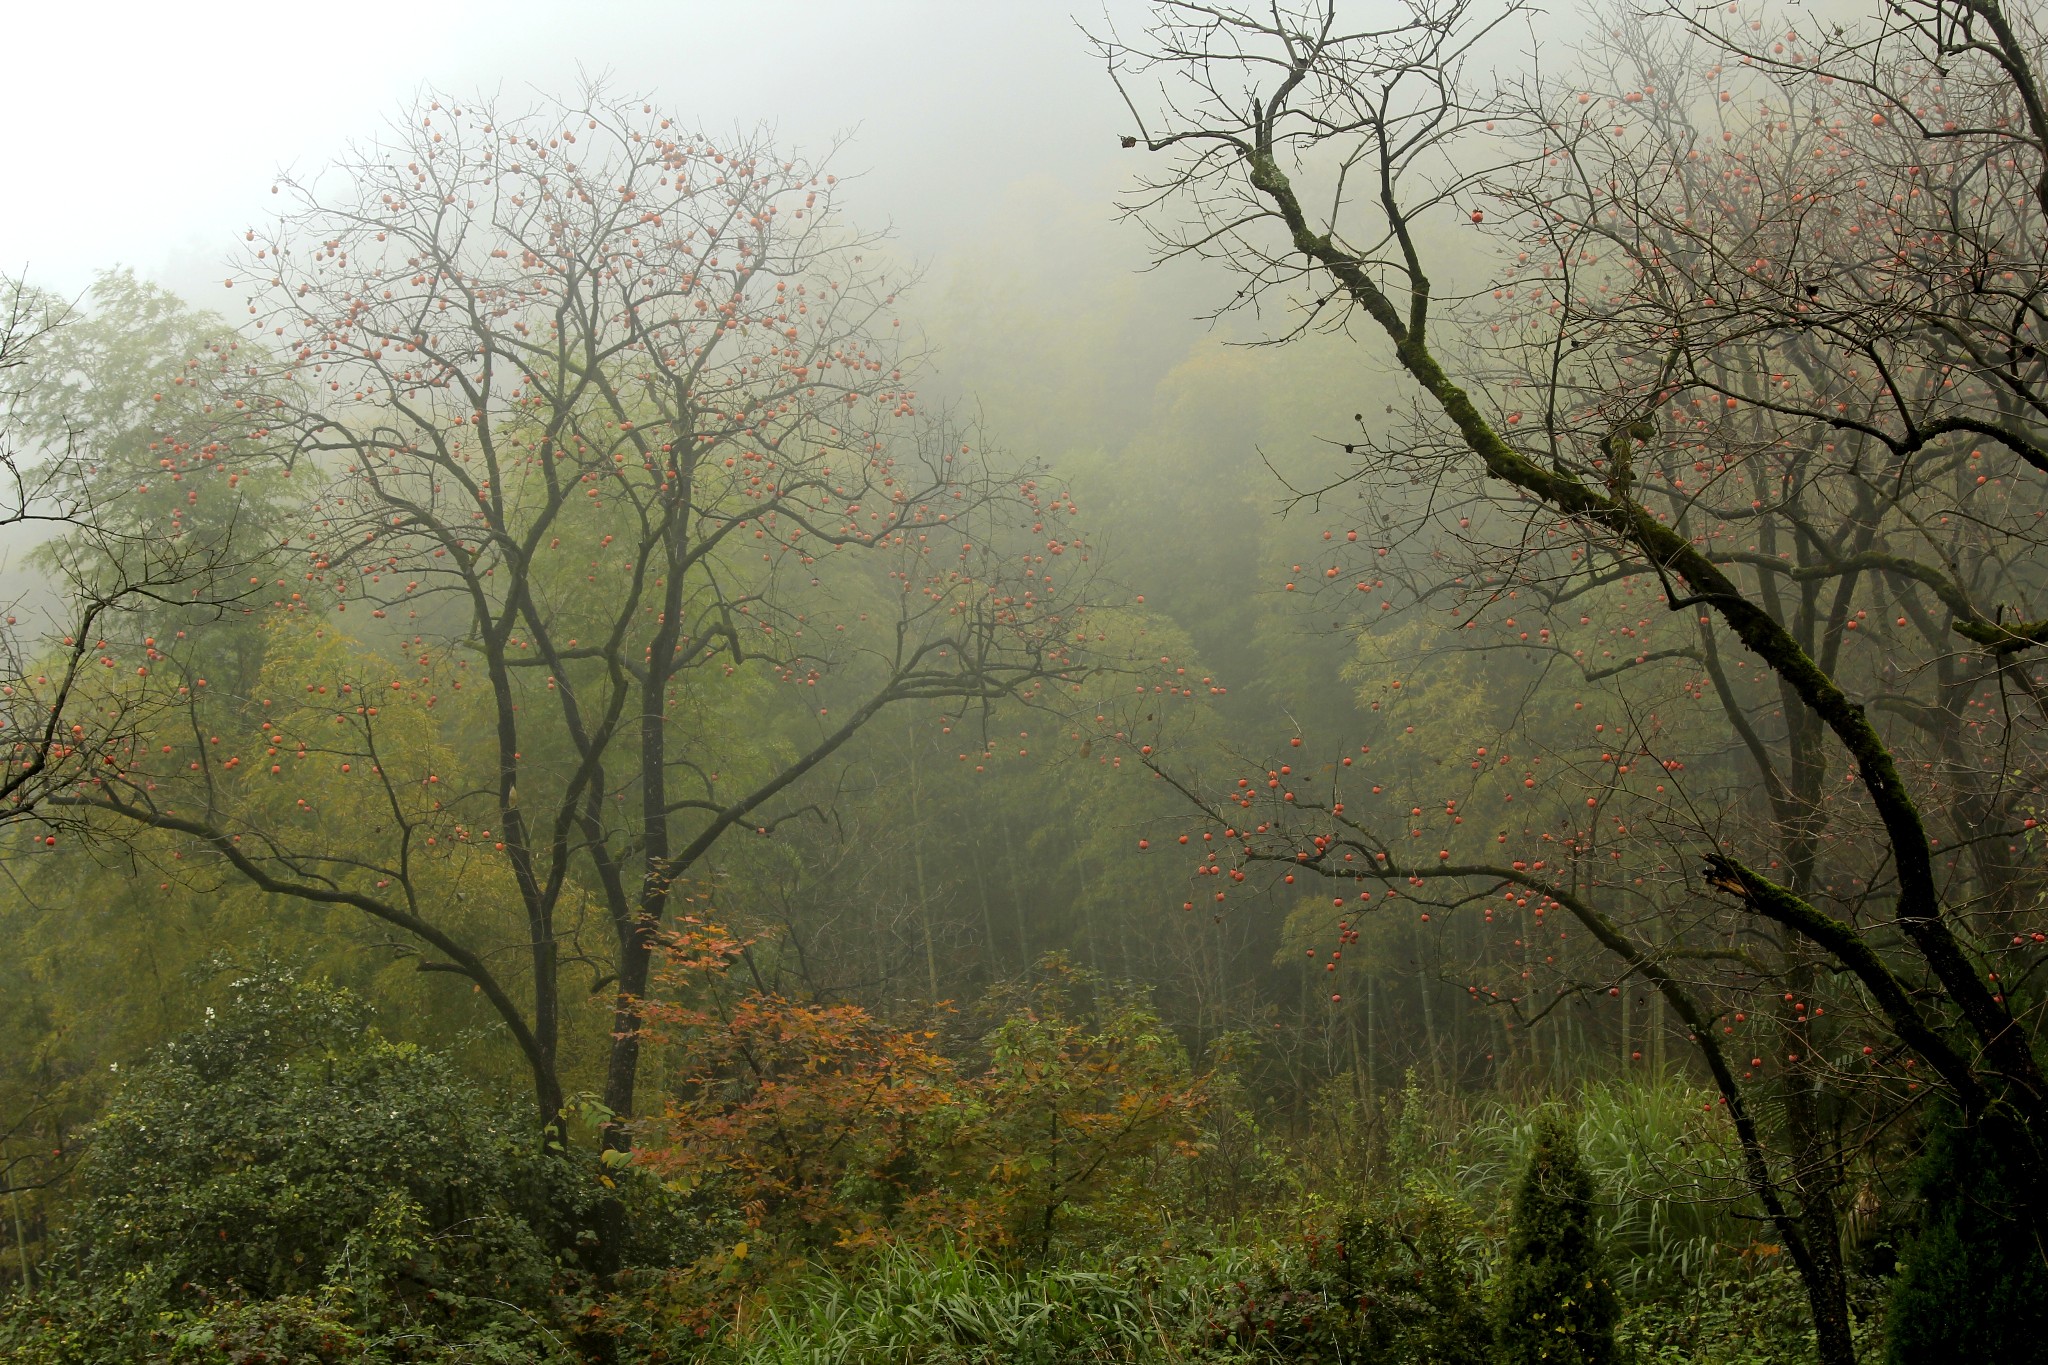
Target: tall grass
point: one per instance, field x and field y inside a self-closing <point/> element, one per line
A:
<point x="927" y="1306"/>
<point x="1672" y="1202"/>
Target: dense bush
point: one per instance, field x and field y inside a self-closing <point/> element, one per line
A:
<point x="1744" y="1315"/>
<point x="832" y="1128"/>
<point x="283" y="1174"/>
<point x="1394" y="1288"/>
<point x="1973" y="1282"/>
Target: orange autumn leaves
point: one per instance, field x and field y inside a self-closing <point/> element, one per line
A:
<point x="826" y="1126"/>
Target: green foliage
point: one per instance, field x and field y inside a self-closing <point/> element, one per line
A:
<point x="1395" y="1288"/>
<point x="283" y="1174"/>
<point x="1758" y="1318"/>
<point x="1553" y="1301"/>
<point x="127" y="393"/>
<point x="1084" y="1104"/>
<point x="1668" y="1170"/>
<point x="1973" y="1284"/>
<point x="67" y="1329"/>
<point x="277" y="1137"/>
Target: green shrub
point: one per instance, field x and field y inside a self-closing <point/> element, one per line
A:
<point x="1971" y="1284"/>
<point x="1397" y="1288"/>
<point x="284" y="1173"/>
<point x="1553" y="1302"/>
<point x="1761" y="1317"/>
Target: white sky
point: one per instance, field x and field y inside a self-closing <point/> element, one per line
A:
<point x="146" y="133"/>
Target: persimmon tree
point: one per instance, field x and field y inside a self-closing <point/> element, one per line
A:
<point x="610" y="459"/>
<point x="1829" y="444"/>
<point x="1760" y="351"/>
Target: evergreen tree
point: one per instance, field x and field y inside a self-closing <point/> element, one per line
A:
<point x="1553" y="1302"/>
<point x="1972" y="1284"/>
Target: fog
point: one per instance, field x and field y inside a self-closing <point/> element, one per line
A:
<point x="157" y="129"/>
<point x="982" y="138"/>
